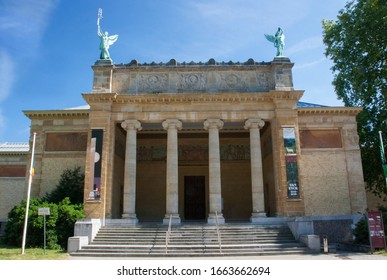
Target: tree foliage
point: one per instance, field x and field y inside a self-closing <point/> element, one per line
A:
<point x="357" y="44"/>
<point x="70" y="185"/>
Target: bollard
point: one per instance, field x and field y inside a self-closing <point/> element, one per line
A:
<point x="325" y="241"/>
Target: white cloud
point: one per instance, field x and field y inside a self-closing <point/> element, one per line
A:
<point x="25" y="16"/>
<point x="307" y="44"/>
<point x="22" y="25"/>
<point x="309" y="64"/>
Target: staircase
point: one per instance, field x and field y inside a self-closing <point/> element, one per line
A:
<point x="192" y="240"/>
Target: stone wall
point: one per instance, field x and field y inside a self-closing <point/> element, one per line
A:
<point x="12" y="193"/>
<point x="325" y="183"/>
<point x="12" y="181"/>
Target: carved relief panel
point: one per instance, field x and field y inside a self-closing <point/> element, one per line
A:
<point x="152" y="83"/>
<point x="232" y="82"/>
<point x="192" y="81"/>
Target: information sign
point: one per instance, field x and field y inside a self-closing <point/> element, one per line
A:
<point x="376" y="230"/>
<point x="43" y="211"/>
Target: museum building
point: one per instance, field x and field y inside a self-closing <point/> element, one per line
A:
<point x="210" y="142"/>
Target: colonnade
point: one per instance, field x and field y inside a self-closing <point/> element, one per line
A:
<point x="172" y="126"/>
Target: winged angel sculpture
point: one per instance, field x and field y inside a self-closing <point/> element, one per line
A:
<point x="106" y="40"/>
<point x="279" y="41"/>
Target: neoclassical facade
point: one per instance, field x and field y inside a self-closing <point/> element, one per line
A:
<point x="202" y="142"/>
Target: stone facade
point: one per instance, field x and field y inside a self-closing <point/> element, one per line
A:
<point x="61" y="141"/>
<point x="202" y="141"/>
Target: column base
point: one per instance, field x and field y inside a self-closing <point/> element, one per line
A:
<point x="211" y="220"/>
<point x="257" y="217"/>
<point x="175" y="219"/>
<point x="130" y="219"/>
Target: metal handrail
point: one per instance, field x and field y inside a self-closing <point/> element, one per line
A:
<point x="218" y="232"/>
<point x="168" y="234"/>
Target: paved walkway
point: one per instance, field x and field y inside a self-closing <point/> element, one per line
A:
<point x="322" y="256"/>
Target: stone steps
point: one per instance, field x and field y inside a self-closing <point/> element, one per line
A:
<point x="236" y="240"/>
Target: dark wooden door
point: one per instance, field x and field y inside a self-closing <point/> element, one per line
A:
<point x="194" y="198"/>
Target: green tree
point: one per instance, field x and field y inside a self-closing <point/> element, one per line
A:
<point x="70" y="185"/>
<point x="357" y="44"/>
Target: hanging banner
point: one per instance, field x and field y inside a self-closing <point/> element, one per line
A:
<point x="97" y="142"/>
<point x="376" y="230"/>
<point x="383" y="157"/>
<point x="291" y="162"/>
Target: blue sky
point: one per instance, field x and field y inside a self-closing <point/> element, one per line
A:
<point x="48" y="46"/>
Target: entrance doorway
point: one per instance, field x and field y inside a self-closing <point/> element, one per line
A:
<point x="194" y="198"/>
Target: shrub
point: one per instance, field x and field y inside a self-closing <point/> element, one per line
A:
<point x="68" y="214"/>
<point x="59" y="224"/>
<point x="361" y="232"/>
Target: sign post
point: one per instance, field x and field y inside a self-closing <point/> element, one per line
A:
<point x="44" y="212"/>
<point x="376" y="230"/>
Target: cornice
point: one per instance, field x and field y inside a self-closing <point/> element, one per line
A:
<point x="10" y="153"/>
<point x="211" y="63"/>
<point x="349" y="111"/>
<point x="99" y="97"/>
<point x="192" y="98"/>
<point x="286" y="95"/>
<point x="114" y="98"/>
<point x="32" y="114"/>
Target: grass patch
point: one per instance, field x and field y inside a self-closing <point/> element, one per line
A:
<point x="381" y="252"/>
<point x="13" y="253"/>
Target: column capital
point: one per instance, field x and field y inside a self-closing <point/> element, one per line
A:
<point x="254" y="123"/>
<point x="172" y="123"/>
<point x="213" y="123"/>
<point x="131" y="124"/>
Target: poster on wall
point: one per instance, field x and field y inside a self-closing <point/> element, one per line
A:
<point x="291" y="162"/>
<point x="376" y="230"/>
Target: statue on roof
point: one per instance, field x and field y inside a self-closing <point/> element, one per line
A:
<point x="106" y="40"/>
<point x="279" y="41"/>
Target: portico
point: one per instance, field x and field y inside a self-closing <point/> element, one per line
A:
<point x="215" y="204"/>
<point x="199" y="142"/>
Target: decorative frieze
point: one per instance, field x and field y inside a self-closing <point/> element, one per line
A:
<point x="173" y="78"/>
<point x="193" y="152"/>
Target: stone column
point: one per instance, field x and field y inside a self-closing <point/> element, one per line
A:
<point x="172" y="126"/>
<point x="256" y="169"/>
<point x="215" y="188"/>
<point x="129" y="207"/>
